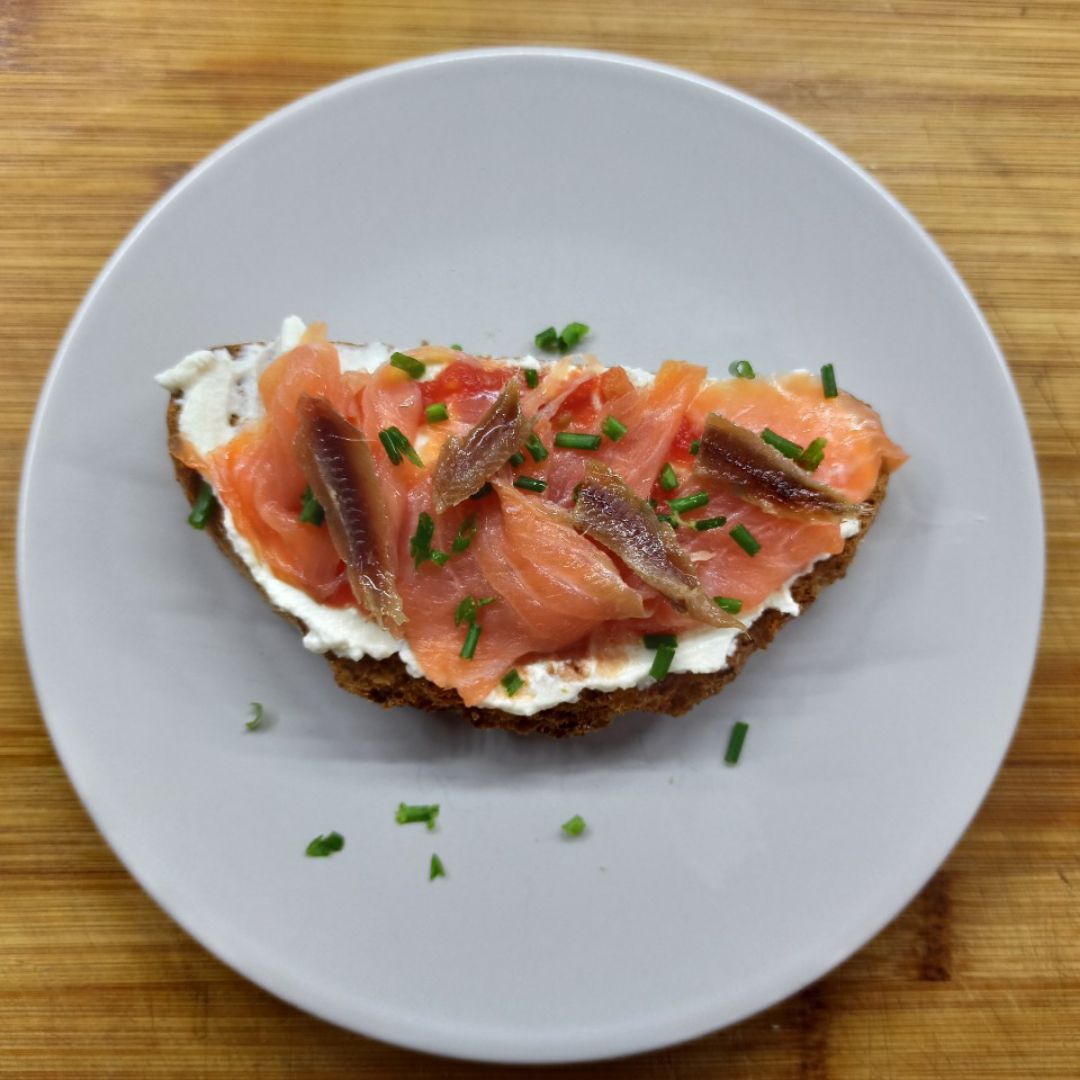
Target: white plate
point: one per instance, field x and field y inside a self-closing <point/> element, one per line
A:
<point x="477" y="197"/>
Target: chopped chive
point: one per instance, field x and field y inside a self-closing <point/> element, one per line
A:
<point x="571" y="335"/>
<point x="786" y="447"/>
<point x="548" y="340"/>
<point x="537" y="450"/>
<point x="467" y="609"/>
<point x="741" y="369"/>
<point x="662" y="661"/>
<point x="532" y="377"/>
<point x="705" y="524"/>
<point x="735" y="743"/>
<point x="613" y="429"/>
<point x="812" y="456"/>
<point x="468" y="650"/>
<point x="573" y="440"/>
<point x="512" y="682"/>
<point x="403" y="446"/>
<point x="409" y="364"/>
<point x="483" y="493"/>
<point x="203" y="506"/>
<point x="695" y="446"/>
<point x="731" y="606"/>
<point x="466" y="532"/>
<point x="689" y="502"/>
<point x="654" y="641"/>
<point x="436" y="412"/>
<point x="828" y="381"/>
<point x="456" y="348"/>
<point x="530" y="483"/>
<point x="420" y="541"/>
<point x="323" y="846"/>
<point x="256" y="716"/>
<point x="439" y="558"/>
<point x="668" y="480"/>
<point x="744" y="538"/>
<point x="575" y="826"/>
<point x="517" y="459"/>
<point x="412" y="815"/>
<point x="437" y="868"/>
<point x="311" y="511"/>
<point x="669" y="519"/>
<point x="390" y="446"/>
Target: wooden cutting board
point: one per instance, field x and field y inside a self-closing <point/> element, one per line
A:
<point x="968" y="111"/>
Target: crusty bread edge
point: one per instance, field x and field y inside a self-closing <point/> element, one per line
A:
<point x="388" y="683"/>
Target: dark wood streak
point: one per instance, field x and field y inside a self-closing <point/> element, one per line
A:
<point x="812" y="1023"/>
<point x="16" y="22"/>
<point x="934" y="930"/>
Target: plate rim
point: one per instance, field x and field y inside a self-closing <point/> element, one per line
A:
<point x="572" y="1048"/>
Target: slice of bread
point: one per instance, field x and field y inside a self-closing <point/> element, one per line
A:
<point x="388" y="683"/>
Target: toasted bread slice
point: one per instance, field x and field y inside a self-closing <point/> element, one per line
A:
<point x="388" y="683"/>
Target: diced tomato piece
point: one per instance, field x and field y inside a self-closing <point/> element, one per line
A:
<point x="580" y="407"/>
<point x="687" y="433"/>
<point x="464" y="380"/>
<point x="614" y="383"/>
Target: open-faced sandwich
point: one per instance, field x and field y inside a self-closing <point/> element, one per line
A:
<point x="540" y="546"/>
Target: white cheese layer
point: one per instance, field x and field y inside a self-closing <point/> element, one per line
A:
<point x="220" y="393"/>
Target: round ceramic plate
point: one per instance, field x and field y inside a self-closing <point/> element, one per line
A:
<point x="478" y="197"/>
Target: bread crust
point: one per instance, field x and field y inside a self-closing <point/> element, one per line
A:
<point x="388" y="683"/>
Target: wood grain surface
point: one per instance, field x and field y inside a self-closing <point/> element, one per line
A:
<point x="968" y="111"/>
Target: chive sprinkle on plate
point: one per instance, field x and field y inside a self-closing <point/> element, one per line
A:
<point x="324" y="846"/>
<point x="437" y="869"/>
<point x="436" y="412"/>
<point x="735" y="743"/>
<point x="575" y="826"/>
<point x="668" y="480"/>
<point x="414" y="814"/>
<point x="550" y="341"/>
<point x="741" y="369"/>
<point x="256" y="716"/>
